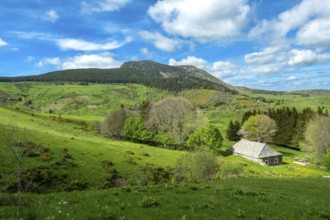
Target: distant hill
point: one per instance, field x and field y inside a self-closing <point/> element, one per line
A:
<point x="313" y="92"/>
<point x="258" y="91"/>
<point x="149" y="73"/>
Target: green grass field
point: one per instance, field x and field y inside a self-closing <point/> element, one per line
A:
<point x="244" y="198"/>
<point x="76" y="154"/>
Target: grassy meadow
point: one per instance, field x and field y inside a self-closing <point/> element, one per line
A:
<point x="57" y="119"/>
<point x="248" y="198"/>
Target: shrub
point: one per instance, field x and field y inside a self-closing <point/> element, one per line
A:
<point x="114" y="179"/>
<point x="107" y="164"/>
<point x="77" y="185"/>
<point x="200" y="165"/>
<point x="326" y="161"/>
<point x="229" y="169"/>
<point x="155" y="175"/>
<point x="149" y="202"/>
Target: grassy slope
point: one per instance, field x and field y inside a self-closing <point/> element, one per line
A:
<point x="87" y="149"/>
<point x="77" y="100"/>
<point x="225" y="199"/>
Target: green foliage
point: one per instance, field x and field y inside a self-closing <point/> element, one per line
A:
<point x="149" y="202"/>
<point x="171" y="115"/>
<point x="135" y="130"/>
<point x="208" y="136"/>
<point x="77" y="185"/>
<point x="178" y="82"/>
<point x="114" y="123"/>
<point x="291" y="125"/>
<point x="259" y="128"/>
<point x="317" y="136"/>
<point x="164" y="139"/>
<point x="232" y="131"/>
<point x="152" y="175"/>
<point x="326" y="161"/>
<point x="197" y="166"/>
<point x="229" y="169"/>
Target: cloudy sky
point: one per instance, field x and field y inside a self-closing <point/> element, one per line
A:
<point x="264" y="44"/>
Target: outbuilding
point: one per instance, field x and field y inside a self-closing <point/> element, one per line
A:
<point x="256" y="152"/>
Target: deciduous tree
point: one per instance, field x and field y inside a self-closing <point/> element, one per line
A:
<point x="171" y="115"/>
<point x="259" y="128"/>
<point x="114" y="123"/>
<point x="317" y="136"/>
<point x="208" y="136"/>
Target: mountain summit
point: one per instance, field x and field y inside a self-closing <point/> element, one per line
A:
<point x="152" y="68"/>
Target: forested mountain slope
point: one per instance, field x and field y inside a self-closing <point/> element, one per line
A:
<point x="147" y="73"/>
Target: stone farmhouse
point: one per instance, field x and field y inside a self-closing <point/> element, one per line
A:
<point x="256" y="152"/>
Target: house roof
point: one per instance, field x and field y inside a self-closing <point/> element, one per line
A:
<point x="253" y="149"/>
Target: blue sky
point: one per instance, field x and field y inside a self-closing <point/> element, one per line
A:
<point x="264" y="44"/>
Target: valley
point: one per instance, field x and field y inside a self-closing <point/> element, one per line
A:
<point x="66" y="157"/>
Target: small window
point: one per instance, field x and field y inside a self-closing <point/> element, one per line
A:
<point x="266" y="162"/>
<point x="276" y="160"/>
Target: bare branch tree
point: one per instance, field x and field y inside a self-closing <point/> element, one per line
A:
<point x="13" y="139"/>
<point x="171" y="115"/>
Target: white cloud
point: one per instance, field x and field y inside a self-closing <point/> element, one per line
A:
<point x="290" y="78"/>
<point x="223" y="69"/>
<point x="3" y="43"/>
<point x="265" y="68"/>
<point x="218" y="68"/>
<point x="32" y="35"/>
<point x="51" y="16"/>
<point x="279" y="59"/>
<point x="74" y="44"/>
<point x="146" y="52"/>
<point x="302" y="57"/>
<point x="55" y="61"/>
<point x="266" y="56"/>
<point x="161" y="42"/>
<point x="102" y="60"/>
<point x="209" y="20"/>
<point x="92" y="6"/>
<point x="30" y="58"/>
<point x="310" y="19"/>
<point x="190" y="60"/>
<point x="307" y="57"/>
<point x="315" y="33"/>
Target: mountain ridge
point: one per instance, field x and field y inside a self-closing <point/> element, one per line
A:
<point x="146" y="72"/>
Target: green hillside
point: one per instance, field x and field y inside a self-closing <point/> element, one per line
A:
<point x="146" y="73"/>
<point x="64" y="154"/>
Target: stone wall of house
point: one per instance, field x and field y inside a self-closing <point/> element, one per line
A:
<point x="274" y="160"/>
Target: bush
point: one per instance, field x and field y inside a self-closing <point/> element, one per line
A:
<point x="77" y="185"/>
<point x="114" y="179"/>
<point x="197" y="166"/>
<point x="155" y="175"/>
<point x="326" y="161"/>
<point x="229" y="169"/>
<point x="149" y="202"/>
